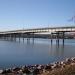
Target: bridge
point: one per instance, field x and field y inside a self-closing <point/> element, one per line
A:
<point x="41" y="30"/>
<point x="53" y="32"/>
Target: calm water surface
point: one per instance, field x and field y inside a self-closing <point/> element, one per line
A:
<point x="39" y="51"/>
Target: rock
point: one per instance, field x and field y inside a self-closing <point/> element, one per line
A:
<point x="62" y="62"/>
<point x="36" y="71"/>
<point x="53" y="65"/>
<point x="1" y="71"/>
<point x="16" y="69"/>
<point x="48" y="67"/>
<point x="68" y="61"/>
<point x="39" y="67"/>
<point x="6" y="71"/>
<point x="26" y="70"/>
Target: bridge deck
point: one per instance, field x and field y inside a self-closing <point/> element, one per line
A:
<point x="42" y="30"/>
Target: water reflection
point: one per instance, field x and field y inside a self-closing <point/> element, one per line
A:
<point x="57" y="49"/>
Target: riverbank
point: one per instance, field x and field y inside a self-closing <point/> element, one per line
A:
<point x="66" y="67"/>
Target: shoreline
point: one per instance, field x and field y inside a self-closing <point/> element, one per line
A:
<point x="39" y="69"/>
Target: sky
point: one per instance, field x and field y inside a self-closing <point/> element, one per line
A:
<point x="19" y="14"/>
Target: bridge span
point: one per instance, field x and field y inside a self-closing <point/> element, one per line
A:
<point x="53" y="32"/>
<point x="41" y="30"/>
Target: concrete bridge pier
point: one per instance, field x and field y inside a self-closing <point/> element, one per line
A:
<point x="28" y="38"/>
<point x="7" y="37"/>
<point x="10" y="37"/>
<point x="14" y="37"/>
<point x="4" y="37"/>
<point x="23" y="37"/>
<point x="33" y="36"/>
<point x="63" y="37"/>
<point x="51" y="37"/>
<point x="57" y="38"/>
<point x="19" y="37"/>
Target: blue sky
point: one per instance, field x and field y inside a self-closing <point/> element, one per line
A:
<point x="19" y="14"/>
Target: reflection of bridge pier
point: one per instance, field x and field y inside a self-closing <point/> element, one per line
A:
<point x="58" y="36"/>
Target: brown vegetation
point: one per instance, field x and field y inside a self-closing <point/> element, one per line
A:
<point x="67" y="70"/>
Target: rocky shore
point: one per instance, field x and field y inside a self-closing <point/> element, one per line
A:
<point x="39" y="69"/>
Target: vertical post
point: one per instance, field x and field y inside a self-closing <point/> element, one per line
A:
<point x="23" y="37"/>
<point x="19" y="38"/>
<point x="15" y="37"/>
<point x="63" y="36"/>
<point x="28" y="38"/>
<point x="7" y="36"/>
<point x="57" y="38"/>
<point x="10" y="37"/>
<point x="51" y="37"/>
<point x="33" y="37"/>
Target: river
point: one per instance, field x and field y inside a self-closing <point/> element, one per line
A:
<point x="39" y="51"/>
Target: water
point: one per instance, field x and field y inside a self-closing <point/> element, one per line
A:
<point x="39" y="51"/>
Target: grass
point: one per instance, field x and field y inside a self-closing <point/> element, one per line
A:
<point x="67" y="70"/>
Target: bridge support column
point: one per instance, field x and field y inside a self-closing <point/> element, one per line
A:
<point x="57" y="38"/>
<point x="10" y="37"/>
<point x="19" y="38"/>
<point x="23" y="37"/>
<point x="33" y="36"/>
<point x="63" y="35"/>
<point x="28" y="38"/>
<point x="51" y="37"/>
<point x="7" y="36"/>
<point x="14" y="37"/>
